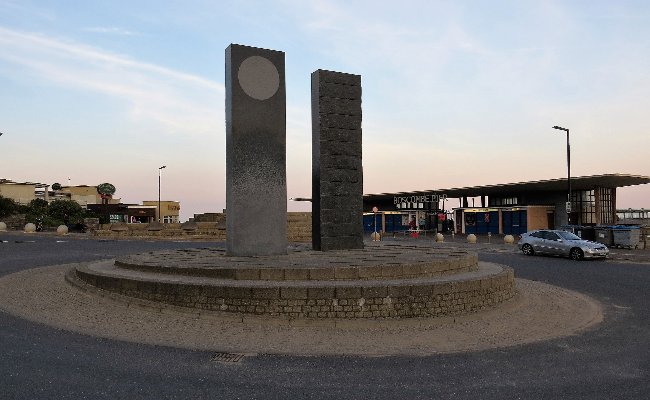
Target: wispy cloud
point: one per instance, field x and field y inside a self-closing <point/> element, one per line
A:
<point x="181" y="102"/>
<point x="11" y="8"/>
<point x="114" y="31"/>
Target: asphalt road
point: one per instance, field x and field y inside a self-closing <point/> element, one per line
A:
<point x="610" y="360"/>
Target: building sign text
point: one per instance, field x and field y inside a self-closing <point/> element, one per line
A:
<point x="429" y="198"/>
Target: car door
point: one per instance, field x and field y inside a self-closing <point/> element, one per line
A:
<point x="537" y="241"/>
<point x="552" y="243"/>
<point x="564" y="246"/>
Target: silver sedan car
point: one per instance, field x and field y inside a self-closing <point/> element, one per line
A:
<point x="561" y="243"/>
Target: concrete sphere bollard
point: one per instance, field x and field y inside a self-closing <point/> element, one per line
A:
<point x="62" y="230"/>
<point x="3" y="226"/>
<point x="440" y="238"/>
<point x="471" y="238"/>
<point x="375" y="236"/>
<point x="508" y="239"/>
<point x="30" y="228"/>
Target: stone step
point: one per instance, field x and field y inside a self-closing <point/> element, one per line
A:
<point x="488" y="286"/>
<point x="302" y="264"/>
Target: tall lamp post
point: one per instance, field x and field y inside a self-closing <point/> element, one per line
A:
<point x="159" y="175"/>
<point x="568" y="163"/>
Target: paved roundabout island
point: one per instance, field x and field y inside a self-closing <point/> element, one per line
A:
<point x="63" y="297"/>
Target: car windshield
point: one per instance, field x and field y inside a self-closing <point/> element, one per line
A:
<point x="569" y="236"/>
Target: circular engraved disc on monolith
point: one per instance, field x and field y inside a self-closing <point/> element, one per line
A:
<point x="258" y="77"/>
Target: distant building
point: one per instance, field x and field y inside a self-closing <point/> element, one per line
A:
<point x="23" y="192"/>
<point x="130" y="213"/>
<point x="82" y="194"/>
<point x="640" y="217"/>
<point x="509" y="208"/>
<point x="170" y="210"/>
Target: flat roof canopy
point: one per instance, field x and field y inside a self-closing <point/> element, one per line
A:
<point x="36" y="184"/>
<point x="551" y="185"/>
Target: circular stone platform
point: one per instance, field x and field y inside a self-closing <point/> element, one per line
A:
<point x="378" y="282"/>
<point x="539" y="312"/>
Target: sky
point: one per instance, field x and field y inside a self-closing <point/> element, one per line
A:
<point x="455" y="93"/>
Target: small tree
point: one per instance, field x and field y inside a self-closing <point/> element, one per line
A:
<point x="59" y="208"/>
<point x="37" y="207"/>
<point x="7" y="207"/>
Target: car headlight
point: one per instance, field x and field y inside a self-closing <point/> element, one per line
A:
<point x="596" y="249"/>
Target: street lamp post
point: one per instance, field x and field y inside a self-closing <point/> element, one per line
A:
<point x="568" y="163"/>
<point x="159" y="175"/>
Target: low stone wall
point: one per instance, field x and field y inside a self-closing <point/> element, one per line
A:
<point x="299" y="227"/>
<point x="351" y="299"/>
<point x="298" y="230"/>
<point x="92" y="224"/>
<point x="209" y="217"/>
<point x="171" y="231"/>
<point x="14" y="222"/>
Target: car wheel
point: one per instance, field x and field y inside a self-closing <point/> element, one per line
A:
<point x="577" y="254"/>
<point x="528" y="250"/>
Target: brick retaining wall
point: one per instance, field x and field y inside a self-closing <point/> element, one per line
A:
<point x="396" y="299"/>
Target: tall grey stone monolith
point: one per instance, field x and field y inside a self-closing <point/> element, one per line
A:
<point x="256" y="185"/>
<point x="337" y="174"/>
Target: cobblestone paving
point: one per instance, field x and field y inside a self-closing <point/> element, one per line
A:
<point x="541" y="312"/>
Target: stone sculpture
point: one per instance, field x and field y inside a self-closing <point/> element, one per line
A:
<point x="337" y="174"/>
<point x="256" y="186"/>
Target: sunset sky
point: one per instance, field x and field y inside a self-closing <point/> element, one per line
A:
<point x="455" y="93"/>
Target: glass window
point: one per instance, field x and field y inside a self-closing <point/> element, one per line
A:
<point x="550" y="235"/>
<point x="606" y="205"/>
<point x="569" y="236"/>
<point x="502" y="201"/>
<point x="584" y="204"/>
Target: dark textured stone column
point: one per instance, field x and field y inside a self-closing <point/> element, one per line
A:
<point x="256" y="183"/>
<point x="337" y="174"/>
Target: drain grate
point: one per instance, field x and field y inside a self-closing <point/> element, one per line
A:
<point x="228" y="357"/>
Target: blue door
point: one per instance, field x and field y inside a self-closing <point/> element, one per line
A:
<point x="515" y="222"/>
<point x="394" y="223"/>
<point x="486" y="222"/>
<point x="369" y="222"/>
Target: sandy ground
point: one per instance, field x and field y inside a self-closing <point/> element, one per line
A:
<point x="540" y="312"/>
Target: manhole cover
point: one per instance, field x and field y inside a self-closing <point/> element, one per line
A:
<point x="228" y="357"/>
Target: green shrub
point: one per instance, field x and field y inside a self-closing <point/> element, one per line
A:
<point x="7" y="207"/>
<point x="36" y="208"/>
<point x="59" y="208"/>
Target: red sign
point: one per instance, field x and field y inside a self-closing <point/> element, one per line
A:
<point x="442" y="217"/>
<point x="487" y="218"/>
<point x="375" y="209"/>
